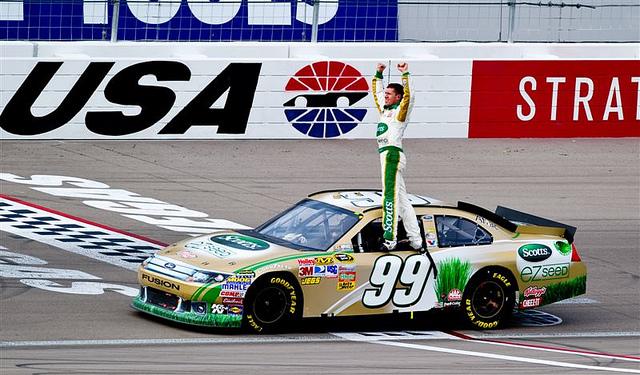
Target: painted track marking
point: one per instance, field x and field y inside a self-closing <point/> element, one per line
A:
<point x="546" y="348"/>
<point x="74" y="234"/>
<point x="503" y="357"/>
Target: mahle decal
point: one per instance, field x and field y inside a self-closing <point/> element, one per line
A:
<point x="241" y="242"/>
<point x="534" y="252"/>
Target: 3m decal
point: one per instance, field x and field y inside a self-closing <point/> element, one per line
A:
<point x="388" y="270"/>
<point x="237" y="80"/>
<point x="328" y="91"/>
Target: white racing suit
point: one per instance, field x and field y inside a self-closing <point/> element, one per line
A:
<point x="393" y="121"/>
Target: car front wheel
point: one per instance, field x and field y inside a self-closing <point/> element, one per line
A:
<point x="272" y="304"/>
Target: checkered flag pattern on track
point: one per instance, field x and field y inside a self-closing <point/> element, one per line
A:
<point x="72" y="235"/>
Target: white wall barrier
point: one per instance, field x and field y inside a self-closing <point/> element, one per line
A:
<point x="306" y="91"/>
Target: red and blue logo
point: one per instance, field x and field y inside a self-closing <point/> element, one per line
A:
<point x="327" y="92"/>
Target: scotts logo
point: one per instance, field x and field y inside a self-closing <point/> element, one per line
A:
<point x="534" y="252"/>
<point x="382" y="128"/>
<point x="327" y="92"/>
<point x="241" y="242"/>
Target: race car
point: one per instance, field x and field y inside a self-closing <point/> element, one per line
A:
<point x="323" y="257"/>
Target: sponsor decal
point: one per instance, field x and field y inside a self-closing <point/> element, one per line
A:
<point x="534" y="291"/>
<point x="325" y="95"/>
<point x="388" y="223"/>
<point x="563" y="248"/>
<point x="347" y="276"/>
<point x="344" y="258"/>
<point x="432" y="239"/>
<point x="160" y="282"/>
<point x="169" y="266"/>
<point x="232" y="301"/>
<point x="346" y="267"/>
<point x="310" y="281"/>
<point x="186" y="254"/>
<point x="454" y="295"/>
<point x="329" y="272"/>
<point x="534" y="252"/>
<point x="240" y="242"/>
<point x="544" y="272"/>
<point x="323" y="261"/>
<point x="531" y="302"/>
<point x="343" y="247"/>
<point x="236" y="83"/>
<point x="235" y="310"/>
<point x="541" y="99"/>
<point x="382" y="128"/>
<point x="241" y="286"/>
<point x="218" y="309"/>
<point x="306" y="262"/>
<point x="343" y="286"/>
<point x="452" y="304"/>
<point x="232" y="293"/>
<point x="304" y="271"/>
<point x="210" y="247"/>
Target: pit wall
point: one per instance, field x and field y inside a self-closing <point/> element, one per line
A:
<point x="94" y="90"/>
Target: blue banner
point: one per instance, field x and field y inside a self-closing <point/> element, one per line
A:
<point x="199" y="20"/>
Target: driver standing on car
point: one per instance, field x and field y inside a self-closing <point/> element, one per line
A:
<point x="394" y="115"/>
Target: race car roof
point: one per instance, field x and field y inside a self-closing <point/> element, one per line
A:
<point x="360" y="200"/>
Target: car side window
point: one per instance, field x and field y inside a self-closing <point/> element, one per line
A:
<point x="458" y="231"/>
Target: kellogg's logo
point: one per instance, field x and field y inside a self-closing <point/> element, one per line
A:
<point x="327" y="92"/>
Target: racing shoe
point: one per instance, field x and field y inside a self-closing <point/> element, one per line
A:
<point x="388" y="245"/>
<point x="416" y="245"/>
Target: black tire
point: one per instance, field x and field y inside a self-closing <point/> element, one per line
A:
<point x="487" y="301"/>
<point x="272" y="303"/>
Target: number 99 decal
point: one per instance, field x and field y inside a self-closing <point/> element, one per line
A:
<point x="387" y="271"/>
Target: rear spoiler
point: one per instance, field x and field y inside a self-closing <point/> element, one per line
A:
<point x="527" y="223"/>
<point x="521" y="222"/>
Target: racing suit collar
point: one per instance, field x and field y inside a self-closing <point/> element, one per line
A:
<point x="392" y="106"/>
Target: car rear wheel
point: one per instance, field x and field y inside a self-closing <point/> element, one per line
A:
<point x="488" y="299"/>
<point x="271" y="304"/>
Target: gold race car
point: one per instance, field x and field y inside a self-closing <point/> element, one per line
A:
<point x="323" y="258"/>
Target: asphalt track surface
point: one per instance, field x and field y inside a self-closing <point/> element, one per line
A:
<point x="592" y="184"/>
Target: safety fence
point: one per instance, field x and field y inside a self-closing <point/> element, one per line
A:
<point x="321" y="20"/>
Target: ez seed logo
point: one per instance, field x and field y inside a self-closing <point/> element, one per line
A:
<point x="327" y="91"/>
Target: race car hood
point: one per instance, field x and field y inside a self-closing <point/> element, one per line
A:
<point x="226" y="251"/>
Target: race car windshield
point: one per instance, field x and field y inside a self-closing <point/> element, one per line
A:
<point x="310" y="225"/>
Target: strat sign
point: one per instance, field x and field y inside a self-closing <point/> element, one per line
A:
<point x="555" y="99"/>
